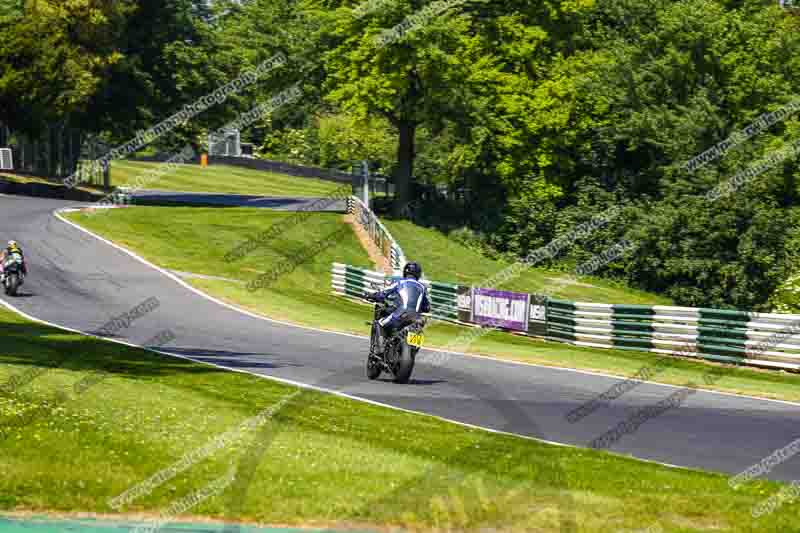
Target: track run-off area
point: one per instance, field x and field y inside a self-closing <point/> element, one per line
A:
<point x="78" y="281"/>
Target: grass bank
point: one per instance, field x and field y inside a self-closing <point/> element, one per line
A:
<point x="447" y="260"/>
<point x="197" y="239"/>
<point x="222" y="179"/>
<point x="317" y="459"/>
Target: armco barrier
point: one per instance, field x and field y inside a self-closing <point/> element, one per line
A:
<point x="765" y="340"/>
<point x="377" y="232"/>
<point x="354" y="282"/>
<point x="758" y="339"/>
<point x="444" y="300"/>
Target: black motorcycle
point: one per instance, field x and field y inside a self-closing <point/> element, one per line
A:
<point x="12" y="274"/>
<point x="399" y="348"/>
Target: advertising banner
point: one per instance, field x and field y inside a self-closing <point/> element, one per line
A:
<point x="464" y="303"/>
<point x="537" y="321"/>
<point x="503" y="309"/>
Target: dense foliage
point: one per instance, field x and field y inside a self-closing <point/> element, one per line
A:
<point x="545" y="113"/>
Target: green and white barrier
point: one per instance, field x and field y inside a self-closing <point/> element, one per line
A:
<point x="444" y="299"/>
<point x="765" y="340"/>
<point x="759" y="339"/>
<point x="354" y="282"/>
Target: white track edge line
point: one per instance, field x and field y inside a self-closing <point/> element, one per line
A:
<point x="57" y="214"/>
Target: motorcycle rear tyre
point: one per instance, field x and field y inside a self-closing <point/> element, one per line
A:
<point x="404" y="365"/>
<point x="12" y="283"/>
<point x="373" y="368"/>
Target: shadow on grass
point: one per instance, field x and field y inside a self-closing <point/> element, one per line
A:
<point x="36" y="345"/>
<point x="227" y="200"/>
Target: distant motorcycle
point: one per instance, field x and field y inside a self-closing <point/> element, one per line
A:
<point x="399" y="349"/>
<point x="12" y="274"/>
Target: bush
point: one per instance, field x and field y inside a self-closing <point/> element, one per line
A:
<point x="786" y="298"/>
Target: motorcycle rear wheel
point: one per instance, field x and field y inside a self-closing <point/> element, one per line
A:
<point x="373" y="365"/>
<point x="405" y="363"/>
<point x="12" y="283"/>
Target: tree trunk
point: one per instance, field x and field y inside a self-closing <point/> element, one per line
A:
<point x="405" y="167"/>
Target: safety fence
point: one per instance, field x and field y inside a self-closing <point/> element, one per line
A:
<point x="760" y="339"/>
<point x="444" y="299"/>
<point x="377" y="232"/>
<point x="766" y="340"/>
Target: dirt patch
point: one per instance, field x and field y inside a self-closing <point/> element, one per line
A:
<point x="382" y="264"/>
<point x="573" y="283"/>
<point x="192" y="275"/>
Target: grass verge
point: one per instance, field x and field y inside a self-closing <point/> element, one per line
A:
<point x="326" y="460"/>
<point x="196" y="240"/>
<point x="222" y="179"/>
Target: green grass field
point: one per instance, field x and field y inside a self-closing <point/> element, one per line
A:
<point x="316" y="460"/>
<point x="222" y="179"/>
<point x="447" y="260"/>
<point x="197" y="239"/>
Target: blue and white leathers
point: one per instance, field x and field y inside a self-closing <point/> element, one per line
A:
<point x="408" y="295"/>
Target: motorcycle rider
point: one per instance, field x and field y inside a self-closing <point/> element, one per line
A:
<point x="11" y="248"/>
<point x="408" y="294"/>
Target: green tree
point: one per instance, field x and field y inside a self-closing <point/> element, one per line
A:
<point x="53" y="59"/>
<point x="344" y="139"/>
<point x="412" y="72"/>
<point x="168" y="59"/>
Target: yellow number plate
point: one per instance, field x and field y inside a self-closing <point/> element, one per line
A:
<point x="415" y="339"/>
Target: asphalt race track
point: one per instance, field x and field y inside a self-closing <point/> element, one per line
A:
<point x="80" y="282"/>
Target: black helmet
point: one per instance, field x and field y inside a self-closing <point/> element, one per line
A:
<point x="412" y="269"/>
